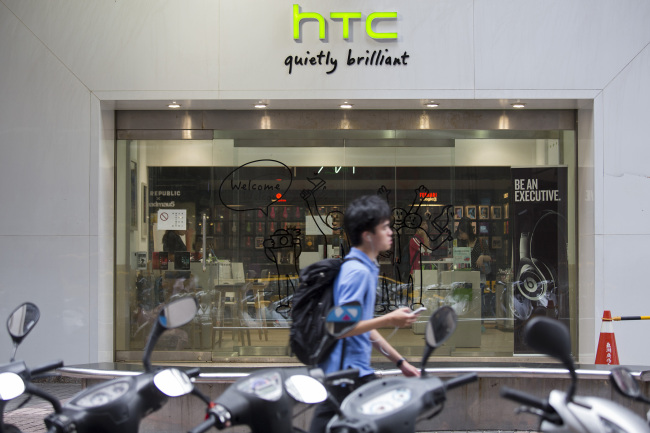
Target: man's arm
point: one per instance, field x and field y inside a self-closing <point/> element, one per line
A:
<point x="400" y="318"/>
<point x="380" y="343"/>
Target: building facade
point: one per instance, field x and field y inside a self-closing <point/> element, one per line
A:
<point x="82" y="84"/>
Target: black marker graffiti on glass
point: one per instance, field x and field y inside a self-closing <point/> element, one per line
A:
<point x="437" y="232"/>
<point x="332" y="220"/>
<point x="278" y="248"/>
<point x="271" y="182"/>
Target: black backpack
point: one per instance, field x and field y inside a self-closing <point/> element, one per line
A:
<point x="314" y="297"/>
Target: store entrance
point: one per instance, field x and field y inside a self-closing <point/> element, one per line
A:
<point x="233" y="220"/>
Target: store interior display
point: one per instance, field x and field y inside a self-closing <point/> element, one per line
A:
<point x="269" y="238"/>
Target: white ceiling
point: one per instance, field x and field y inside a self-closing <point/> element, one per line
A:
<point x="365" y="104"/>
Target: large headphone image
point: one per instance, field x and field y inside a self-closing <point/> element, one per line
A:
<point x="535" y="279"/>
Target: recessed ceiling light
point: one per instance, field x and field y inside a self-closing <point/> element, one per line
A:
<point x="174" y="105"/>
<point x="346" y="105"/>
<point x="431" y="104"/>
<point x="518" y="105"/>
<point x="261" y="105"/>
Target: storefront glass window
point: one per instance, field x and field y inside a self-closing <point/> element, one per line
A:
<point x="232" y="221"/>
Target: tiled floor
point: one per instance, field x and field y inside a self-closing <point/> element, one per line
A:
<point x="29" y="418"/>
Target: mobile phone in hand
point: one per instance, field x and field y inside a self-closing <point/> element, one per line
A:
<point x="419" y="310"/>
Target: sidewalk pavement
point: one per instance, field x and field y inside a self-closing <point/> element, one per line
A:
<point x="29" y="418"/>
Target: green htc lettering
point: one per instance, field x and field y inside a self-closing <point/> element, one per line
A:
<point x="346" y="18"/>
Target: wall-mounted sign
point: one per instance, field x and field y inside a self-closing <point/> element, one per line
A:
<point x="346" y="18"/>
<point x="353" y="58"/>
<point x="141" y="260"/>
<point x="540" y="256"/>
<point x="164" y="193"/>
<point x="429" y="196"/>
<point x="172" y="219"/>
<point x="161" y="198"/>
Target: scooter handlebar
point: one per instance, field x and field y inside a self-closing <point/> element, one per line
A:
<point x="350" y="373"/>
<point x="47" y="367"/>
<point x="460" y="380"/>
<point x="337" y="378"/>
<point x="205" y="425"/>
<point x="193" y="372"/>
<point x="526" y="399"/>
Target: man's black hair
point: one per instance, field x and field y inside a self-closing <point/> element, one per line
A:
<point x="364" y="214"/>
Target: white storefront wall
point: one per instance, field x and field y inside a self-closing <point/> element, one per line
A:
<point x="66" y="65"/>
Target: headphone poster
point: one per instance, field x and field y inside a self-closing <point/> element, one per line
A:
<point x="540" y="260"/>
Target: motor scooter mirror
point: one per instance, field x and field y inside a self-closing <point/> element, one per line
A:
<point x="551" y="337"/>
<point x="440" y="327"/>
<point x="173" y="315"/>
<point x="11" y="386"/>
<point x="442" y="324"/>
<point x="623" y="381"/>
<point x="305" y="389"/>
<point x="173" y="382"/>
<point x="178" y="313"/>
<point x="341" y="319"/>
<point x="20" y="322"/>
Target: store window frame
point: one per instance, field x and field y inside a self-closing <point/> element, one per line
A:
<point x="256" y="126"/>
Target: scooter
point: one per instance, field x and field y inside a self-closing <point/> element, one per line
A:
<point x="564" y="411"/>
<point x="625" y="384"/>
<point x="396" y="404"/>
<point x="118" y="405"/>
<point x="15" y="376"/>
<point x="265" y="399"/>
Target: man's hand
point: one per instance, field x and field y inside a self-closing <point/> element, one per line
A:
<point x="408" y="370"/>
<point x="402" y="317"/>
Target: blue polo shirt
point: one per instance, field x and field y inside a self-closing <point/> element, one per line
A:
<point x="357" y="281"/>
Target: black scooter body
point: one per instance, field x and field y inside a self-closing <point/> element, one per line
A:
<point x="139" y="397"/>
<point x="118" y="405"/>
<point x="18" y="367"/>
<point x="260" y="401"/>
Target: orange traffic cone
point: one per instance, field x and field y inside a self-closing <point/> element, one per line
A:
<point x="607" y="352"/>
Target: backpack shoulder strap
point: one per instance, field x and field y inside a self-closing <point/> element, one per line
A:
<point x="342" y="354"/>
<point x="345" y="339"/>
<point x="347" y="259"/>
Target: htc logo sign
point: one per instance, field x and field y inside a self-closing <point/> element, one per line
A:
<point x="328" y="61"/>
<point x="346" y="18"/>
